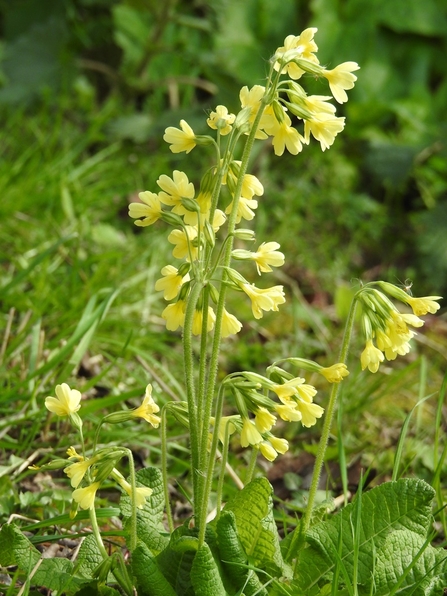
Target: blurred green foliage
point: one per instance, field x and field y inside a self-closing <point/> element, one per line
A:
<point x="375" y="202"/>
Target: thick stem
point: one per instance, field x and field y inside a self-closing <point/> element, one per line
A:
<point x="164" y="467"/>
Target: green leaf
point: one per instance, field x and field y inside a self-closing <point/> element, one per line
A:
<point x="401" y="505"/>
<point x="234" y="558"/>
<point x="150" y="528"/>
<point x="256" y="528"/>
<point x="89" y="556"/>
<point x="16" y="549"/>
<point x="205" y="575"/>
<point x="150" y="579"/>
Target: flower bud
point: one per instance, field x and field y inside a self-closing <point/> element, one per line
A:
<point x="191" y="205"/>
<point x="209" y="234"/>
<point x="171" y="218"/>
<point x="245" y="234"/>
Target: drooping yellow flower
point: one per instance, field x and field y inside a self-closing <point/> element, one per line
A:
<point x="180" y="140"/>
<point x="324" y="129"/>
<point x="285" y="136"/>
<point x="371" y="357"/>
<point x="141" y="492"/>
<point x="263" y="299"/>
<point x="252" y="186"/>
<point x="268" y="451"/>
<point x="171" y="282"/>
<point x="85" y="497"/>
<point x="251" y="98"/>
<point x="306" y="391"/>
<point x="264" y="420"/>
<point x="226" y="422"/>
<point x="230" y="324"/>
<point x="310" y="411"/>
<point x="174" y="315"/>
<point x="244" y="209"/>
<point x="249" y="433"/>
<point x="424" y="305"/>
<point x="198" y="320"/>
<point x="268" y="256"/>
<point x="302" y="46"/>
<point x="280" y="445"/>
<point x="289" y="412"/>
<point x="183" y="240"/>
<point x="66" y="402"/>
<point x="287" y="389"/>
<point x="77" y="471"/>
<point x="149" y="209"/>
<point x="147" y="409"/>
<point x="221" y="120"/>
<point x="335" y="373"/>
<point x="341" y="78"/>
<point x="174" y="190"/>
<point x="319" y="104"/>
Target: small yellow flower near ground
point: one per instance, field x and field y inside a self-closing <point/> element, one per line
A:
<point x="171" y="282"/>
<point x="341" y="78"/>
<point x="230" y="324"/>
<point x="249" y="433"/>
<point x="335" y="373"/>
<point x="174" y="315"/>
<point x="76" y="471"/>
<point x="180" y="140"/>
<point x="324" y="129"/>
<point x="424" y="305"/>
<point x="263" y="299"/>
<point x="148" y="409"/>
<point x="149" y="209"/>
<point x="85" y="497"/>
<point x="371" y="357"/>
<point x="264" y="420"/>
<point x="221" y="120"/>
<point x="66" y="402"/>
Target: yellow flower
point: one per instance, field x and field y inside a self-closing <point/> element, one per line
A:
<point x="224" y="422"/>
<point x="198" y="320"/>
<point x="341" y="78"/>
<point x="424" y="305"/>
<point x="268" y="451"/>
<point x="147" y="409"/>
<point x="174" y="190"/>
<point x="174" y="315"/>
<point x="251" y="186"/>
<point x="285" y="136"/>
<point x="371" y="357"/>
<point x="183" y="240"/>
<point x="249" y="433"/>
<point x="230" y="324"/>
<point x="86" y="496"/>
<point x="180" y="140"/>
<point x="289" y="412"/>
<point x="310" y="412"/>
<point x="264" y="420"/>
<point x="170" y="283"/>
<point x="335" y="373"/>
<point x="141" y="492"/>
<point x="301" y="46"/>
<point x="267" y="256"/>
<point x="149" y="209"/>
<point x="324" y="129"/>
<point x="252" y="99"/>
<point x="221" y="120"/>
<point x="263" y="299"/>
<point x="287" y="389"/>
<point x="67" y="401"/>
<point x="318" y="104"/>
<point x="306" y="392"/>
<point x="244" y="209"/>
<point x="280" y="445"/>
<point x="76" y="471"/>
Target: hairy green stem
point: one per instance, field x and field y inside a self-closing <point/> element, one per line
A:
<point x="164" y="467"/>
<point x="329" y="414"/>
<point x="133" y="501"/>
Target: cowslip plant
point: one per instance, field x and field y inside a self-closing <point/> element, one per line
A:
<point x="239" y="551"/>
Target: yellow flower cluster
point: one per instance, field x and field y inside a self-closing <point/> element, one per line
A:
<point x="384" y="324"/>
<point x="196" y="217"/>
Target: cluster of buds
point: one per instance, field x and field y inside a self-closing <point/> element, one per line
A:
<point x="385" y="325"/>
<point x="198" y="216"/>
<point x="92" y="471"/>
<point x="258" y="413"/>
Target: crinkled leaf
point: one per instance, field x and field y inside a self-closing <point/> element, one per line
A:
<point x="149" y="519"/>
<point x="205" y="574"/>
<point x="256" y="528"/>
<point x="175" y="563"/>
<point x="234" y="559"/>
<point x="56" y="574"/>
<point x="89" y="556"/>
<point x="401" y="550"/>
<point x="401" y="505"/>
<point x="150" y="579"/>
<point x="16" y="549"/>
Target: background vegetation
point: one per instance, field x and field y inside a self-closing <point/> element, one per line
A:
<point x="88" y="87"/>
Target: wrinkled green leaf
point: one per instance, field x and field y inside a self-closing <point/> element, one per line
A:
<point x="149" y="577"/>
<point x="205" y="575"/>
